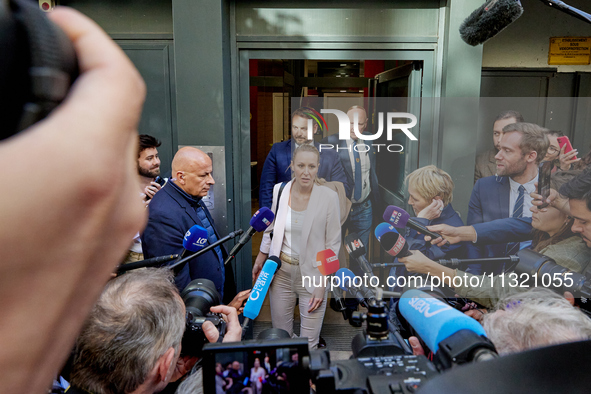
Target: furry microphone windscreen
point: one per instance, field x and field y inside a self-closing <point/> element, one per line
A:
<point x="490" y="19"/>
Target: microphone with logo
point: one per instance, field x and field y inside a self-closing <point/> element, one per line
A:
<point x="399" y="218"/>
<point x="259" y="222"/>
<point x="259" y="291"/>
<point x="394" y="244"/>
<point x="453" y="337"/>
<point x="327" y="263"/>
<point x="194" y="240"/>
<point x="356" y="249"/>
<point x="347" y="283"/>
<point x="382" y="229"/>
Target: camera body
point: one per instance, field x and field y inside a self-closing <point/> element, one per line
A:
<point x="199" y="296"/>
<point x="38" y="65"/>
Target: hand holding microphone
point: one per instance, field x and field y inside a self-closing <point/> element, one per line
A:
<point x="399" y="218"/>
<point x="260" y="289"/>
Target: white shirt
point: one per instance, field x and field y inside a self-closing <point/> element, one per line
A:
<point x="365" y="167"/>
<point x="527" y="200"/>
<point x="293" y="232"/>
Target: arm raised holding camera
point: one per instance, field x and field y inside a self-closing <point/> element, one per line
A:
<point x="60" y="242"/>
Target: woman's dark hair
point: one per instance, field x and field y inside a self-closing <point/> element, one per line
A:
<point x="579" y="188"/>
<point x="541" y="239"/>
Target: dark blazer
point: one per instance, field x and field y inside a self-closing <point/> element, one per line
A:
<point x="276" y="170"/>
<point x="171" y="215"/>
<point x="489" y="201"/>
<point x="343" y="153"/>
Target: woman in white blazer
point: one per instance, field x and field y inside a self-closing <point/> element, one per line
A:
<point x="307" y="221"/>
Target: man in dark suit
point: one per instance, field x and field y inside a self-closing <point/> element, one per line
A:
<point x="276" y="168"/>
<point x="175" y="209"/>
<point x="522" y="147"/>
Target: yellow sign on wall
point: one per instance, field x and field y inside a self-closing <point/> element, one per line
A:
<point x="569" y="50"/>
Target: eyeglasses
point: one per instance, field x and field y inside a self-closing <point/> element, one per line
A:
<point x="553" y="150"/>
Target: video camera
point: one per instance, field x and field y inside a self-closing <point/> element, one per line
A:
<point x="382" y="361"/>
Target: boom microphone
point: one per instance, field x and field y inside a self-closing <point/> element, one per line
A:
<point x="446" y="331"/>
<point x="572" y="11"/>
<point x="395" y="245"/>
<point x="399" y="218"/>
<point x="347" y="283"/>
<point x="356" y="249"/>
<point x="489" y="20"/>
<point x="259" y="290"/>
<point x="259" y="222"/>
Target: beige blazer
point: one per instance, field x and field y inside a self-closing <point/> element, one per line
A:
<point x="321" y="228"/>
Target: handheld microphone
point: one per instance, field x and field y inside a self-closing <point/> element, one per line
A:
<point x="194" y="240"/>
<point x="398" y="217"/>
<point x="259" y="222"/>
<point x="259" y="290"/>
<point x="154" y="261"/>
<point x="346" y="283"/>
<point x="382" y="229"/>
<point x="489" y="20"/>
<point x="178" y="265"/>
<point x="395" y="245"/>
<point x="327" y="262"/>
<point x="443" y="328"/>
<point x="356" y="249"/>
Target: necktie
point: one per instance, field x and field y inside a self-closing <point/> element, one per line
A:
<point x="513" y="247"/>
<point x="357" y="159"/>
<point x="211" y="237"/>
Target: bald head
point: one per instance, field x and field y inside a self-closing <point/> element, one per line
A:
<point x="192" y="169"/>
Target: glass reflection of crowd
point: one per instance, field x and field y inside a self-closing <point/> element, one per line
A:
<point x="277" y="373"/>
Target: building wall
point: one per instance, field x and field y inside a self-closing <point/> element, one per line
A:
<point x="526" y="41"/>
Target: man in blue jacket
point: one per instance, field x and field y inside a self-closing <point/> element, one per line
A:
<point x="276" y="168"/>
<point x="522" y="148"/>
<point x="177" y="207"/>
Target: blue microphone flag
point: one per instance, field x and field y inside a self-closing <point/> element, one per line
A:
<point x="261" y="287"/>
<point x="195" y="238"/>
<point x="434" y="320"/>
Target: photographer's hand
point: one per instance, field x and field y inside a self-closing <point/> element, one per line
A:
<point x="238" y="301"/>
<point x="233" y="329"/>
<point x="57" y="243"/>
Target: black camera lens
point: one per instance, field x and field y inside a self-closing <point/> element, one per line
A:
<point x="199" y="296"/>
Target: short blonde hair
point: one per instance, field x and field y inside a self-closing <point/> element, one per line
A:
<point x="431" y="182"/>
